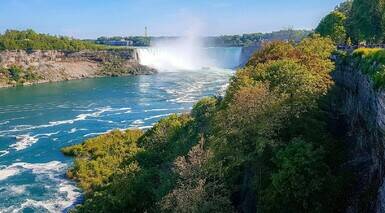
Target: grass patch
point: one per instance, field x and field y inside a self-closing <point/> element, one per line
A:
<point x="371" y="61"/>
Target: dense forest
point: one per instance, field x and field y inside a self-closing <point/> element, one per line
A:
<point x="355" y="22"/>
<point x="30" y="40"/>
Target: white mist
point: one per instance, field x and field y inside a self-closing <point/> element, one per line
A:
<point x="188" y="53"/>
<point x="185" y="53"/>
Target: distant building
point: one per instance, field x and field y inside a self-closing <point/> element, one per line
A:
<point x="117" y="42"/>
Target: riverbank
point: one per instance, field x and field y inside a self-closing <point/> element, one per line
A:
<point x="21" y="67"/>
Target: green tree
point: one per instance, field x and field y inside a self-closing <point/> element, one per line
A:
<point x="15" y="73"/>
<point x="333" y="26"/>
<point x="203" y="112"/>
<point x="302" y="181"/>
<point x="193" y="191"/>
<point x="365" y="22"/>
<point x="344" y="7"/>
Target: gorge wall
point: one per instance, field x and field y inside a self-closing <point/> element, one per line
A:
<point x="52" y="66"/>
<point x="247" y="52"/>
<point x="359" y="112"/>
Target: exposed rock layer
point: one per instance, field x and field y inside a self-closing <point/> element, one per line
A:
<point x="359" y="110"/>
<point x="247" y="52"/>
<point x="52" y="66"/>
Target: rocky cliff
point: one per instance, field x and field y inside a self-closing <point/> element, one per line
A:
<point x="247" y="52"/>
<point x="52" y="66"/>
<point x="359" y="112"/>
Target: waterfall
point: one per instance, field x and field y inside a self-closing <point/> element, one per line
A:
<point x="188" y="58"/>
<point x="224" y="57"/>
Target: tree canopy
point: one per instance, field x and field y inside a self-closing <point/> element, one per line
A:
<point x="30" y="40"/>
<point x="333" y="26"/>
<point x="366" y="21"/>
<point x="356" y="21"/>
<point x="344" y="7"/>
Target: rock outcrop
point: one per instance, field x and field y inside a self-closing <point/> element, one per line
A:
<point x="359" y="110"/>
<point x="247" y="52"/>
<point x="52" y="66"/>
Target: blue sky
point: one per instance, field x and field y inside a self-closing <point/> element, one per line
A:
<point x="94" y="18"/>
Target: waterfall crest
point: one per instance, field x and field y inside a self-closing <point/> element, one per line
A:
<point x="186" y="58"/>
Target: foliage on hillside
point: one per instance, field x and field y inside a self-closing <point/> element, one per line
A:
<point x="264" y="147"/>
<point x="16" y="75"/>
<point x="271" y="107"/>
<point x="345" y="7"/>
<point x="98" y="158"/>
<point x="357" y="21"/>
<point x="30" y="40"/>
<point x="252" y="38"/>
<point x="370" y="61"/>
<point x="333" y="26"/>
<point x="143" y="176"/>
<point x="366" y="21"/>
<point x="113" y="67"/>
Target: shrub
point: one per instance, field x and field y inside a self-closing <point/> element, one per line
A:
<point x="302" y="181"/>
<point x="98" y="158"/>
<point x="18" y="74"/>
<point x="371" y="61"/>
<point x="203" y="111"/>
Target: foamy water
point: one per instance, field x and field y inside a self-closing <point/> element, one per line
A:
<point x="63" y="192"/>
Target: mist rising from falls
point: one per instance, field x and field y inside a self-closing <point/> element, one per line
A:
<point x="188" y="53"/>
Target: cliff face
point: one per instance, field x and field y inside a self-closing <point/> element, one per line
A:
<point x="53" y="66"/>
<point x="247" y="52"/>
<point x="359" y="110"/>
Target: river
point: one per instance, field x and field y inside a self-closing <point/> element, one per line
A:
<point x="37" y="121"/>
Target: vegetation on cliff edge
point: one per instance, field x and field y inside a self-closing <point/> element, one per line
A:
<point x="265" y="146"/>
<point x="16" y="75"/>
<point x="370" y="61"/>
<point x="29" y="40"/>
